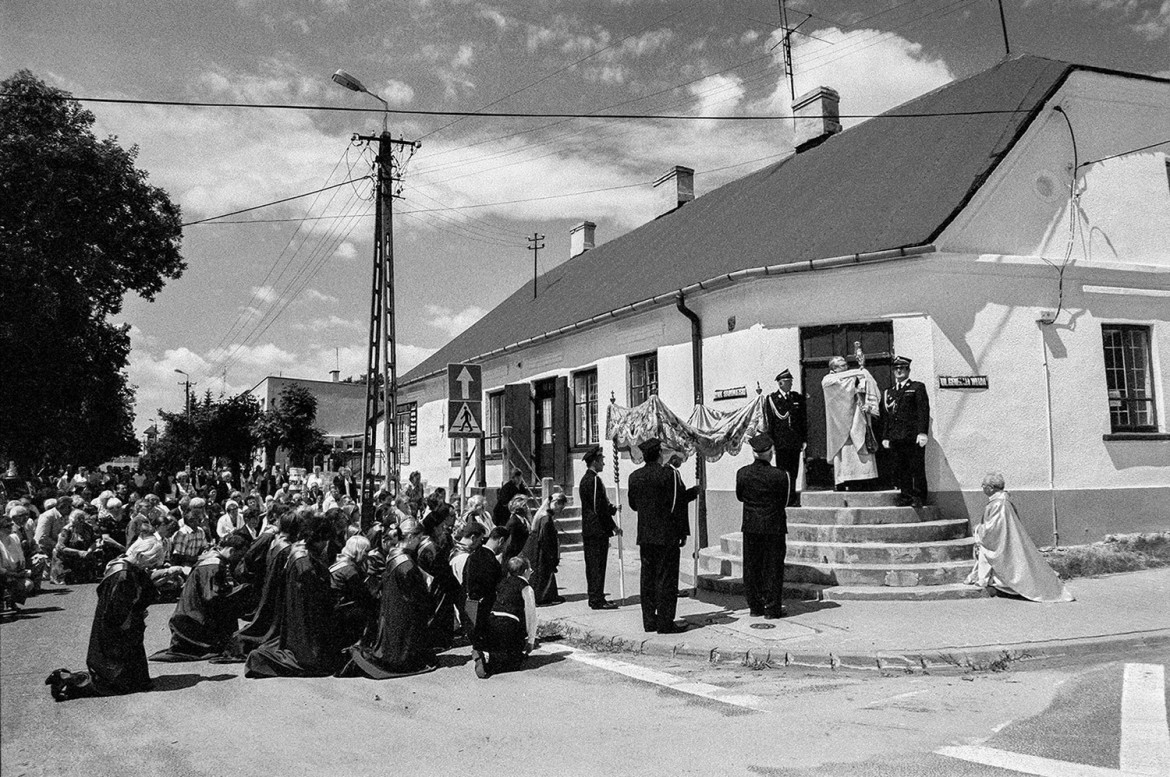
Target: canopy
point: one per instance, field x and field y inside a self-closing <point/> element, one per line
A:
<point x="708" y="432"/>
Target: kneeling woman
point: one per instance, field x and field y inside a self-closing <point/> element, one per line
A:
<point x="511" y="627"/>
<point x="117" y="657"/>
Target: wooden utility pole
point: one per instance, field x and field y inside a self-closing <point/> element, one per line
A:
<point x="534" y="247"/>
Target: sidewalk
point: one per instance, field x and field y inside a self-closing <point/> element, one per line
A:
<point x="1110" y="613"/>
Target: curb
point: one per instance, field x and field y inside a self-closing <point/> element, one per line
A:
<point x="979" y="658"/>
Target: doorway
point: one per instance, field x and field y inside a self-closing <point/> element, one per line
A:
<point x="545" y="394"/>
<point x="818" y="345"/>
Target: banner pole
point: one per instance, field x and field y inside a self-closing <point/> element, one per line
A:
<point x="617" y="482"/>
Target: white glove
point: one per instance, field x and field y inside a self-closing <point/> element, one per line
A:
<point x="921" y="440"/>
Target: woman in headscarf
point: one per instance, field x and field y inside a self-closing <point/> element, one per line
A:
<point x="352" y="599"/>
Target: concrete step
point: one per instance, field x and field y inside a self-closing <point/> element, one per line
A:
<point x="570" y="523"/>
<point x="898" y="553"/>
<point x="924" y="531"/>
<point x="856" y="516"/>
<point x="815" y="592"/>
<point x="898" y="575"/>
<point x="848" y="498"/>
<point x="572" y="547"/>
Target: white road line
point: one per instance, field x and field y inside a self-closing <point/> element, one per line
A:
<point x="1027" y="764"/>
<point x="1145" y="738"/>
<point x="673" y="682"/>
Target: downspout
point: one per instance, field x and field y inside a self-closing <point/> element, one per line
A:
<point x="697" y="382"/>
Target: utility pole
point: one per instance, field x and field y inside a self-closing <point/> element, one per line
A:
<point x="787" y="48"/>
<point x="1007" y="47"/>
<point x="187" y="384"/>
<point x="535" y="249"/>
<point x="382" y="367"/>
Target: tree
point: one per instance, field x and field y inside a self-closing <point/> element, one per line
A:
<point x="79" y="229"/>
<point x="289" y="424"/>
<point x="221" y="430"/>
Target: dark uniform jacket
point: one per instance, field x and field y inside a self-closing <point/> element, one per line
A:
<point x="787" y="419"/>
<point x="763" y="489"/>
<point x="596" y="511"/>
<point x="907" y="411"/>
<point x="650" y="490"/>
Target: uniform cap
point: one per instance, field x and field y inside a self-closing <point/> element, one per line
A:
<point x="901" y="361"/>
<point x="784" y="374"/>
<point x="761" y="443"/>
<point x="592" y="454"/>
<point x="650" y="446"/>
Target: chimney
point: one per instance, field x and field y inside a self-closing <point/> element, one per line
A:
<point x="675" y="188"/>
<point x="581" y="238"/>
<point x="817" y="116"/>
<point x="335" y="374"/>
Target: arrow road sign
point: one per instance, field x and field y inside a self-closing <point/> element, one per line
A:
<point x="464" y="400"/>
<point x="464" y="383"/>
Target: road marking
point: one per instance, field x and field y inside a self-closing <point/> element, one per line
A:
<point x="1145" y="738"/>
<point x="883" y="702"/>
<point x="1027" y="764"/>
<point x="665" y="679"/>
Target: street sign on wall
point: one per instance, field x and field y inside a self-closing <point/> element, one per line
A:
<point x="464" y="400"/>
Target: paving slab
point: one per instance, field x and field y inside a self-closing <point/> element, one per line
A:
<point x="1111" y="612"/>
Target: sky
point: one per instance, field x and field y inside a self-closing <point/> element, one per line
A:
<point x="284" y="290"/>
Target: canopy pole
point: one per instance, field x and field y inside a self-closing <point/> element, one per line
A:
<point x="617" y="483"/>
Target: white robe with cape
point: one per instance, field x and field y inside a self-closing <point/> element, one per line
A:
<point x="846" y="394"/>
<point x="1008" y="559"/>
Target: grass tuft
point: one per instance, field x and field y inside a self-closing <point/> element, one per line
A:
<point x="1115" y="553"/>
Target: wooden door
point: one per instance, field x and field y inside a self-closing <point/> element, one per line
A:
<point x="819" y="344"/>
<point x="545" y="395"/>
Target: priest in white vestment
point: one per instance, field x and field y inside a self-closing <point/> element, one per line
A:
<point x="1006" y="557"/>
<point x="852" y="397"/>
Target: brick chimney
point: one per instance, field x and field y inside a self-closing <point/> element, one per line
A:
<point x="581" y="238"/>
<point x="674" y="189"/>
<point x="817" y="117"/>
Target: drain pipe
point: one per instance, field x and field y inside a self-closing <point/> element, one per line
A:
<point x="700" y="463"/>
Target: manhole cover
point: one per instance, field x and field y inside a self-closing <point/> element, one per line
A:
<point x="762" y="626"/>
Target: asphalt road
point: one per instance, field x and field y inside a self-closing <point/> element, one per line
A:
<point x="569" y="713"/>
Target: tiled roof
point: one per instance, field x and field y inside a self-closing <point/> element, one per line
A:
<point x="884" y="184"/>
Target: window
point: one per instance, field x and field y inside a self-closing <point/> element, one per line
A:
<point x="585" y="408"/>
<point x="1129" y="378"/>
<point x="643" y="377"/>
<point x="495" y="422"/>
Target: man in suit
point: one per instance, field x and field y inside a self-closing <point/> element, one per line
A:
<point x="764" y="491"/>
<point x="597" y="527"/>
<point x="651" y="491"/>
<point x="907" y="419"/>
<point x="681" y="497"/>
<point x="787" y="419"/>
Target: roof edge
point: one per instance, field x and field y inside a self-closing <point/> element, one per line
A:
<point x="710" y="284"/>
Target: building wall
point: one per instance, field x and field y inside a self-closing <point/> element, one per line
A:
<point x="970" y="309"/>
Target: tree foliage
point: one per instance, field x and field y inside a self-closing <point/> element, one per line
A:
<point x="80" y="228"/>
<point x="289" y="424"/>
<point x="220" y="431"/>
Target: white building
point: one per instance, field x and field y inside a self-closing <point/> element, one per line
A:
<point x="341" y="413"/>
<point x="1013" y="226"/>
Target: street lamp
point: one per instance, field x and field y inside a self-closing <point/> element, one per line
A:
<point x="349" y="82"/>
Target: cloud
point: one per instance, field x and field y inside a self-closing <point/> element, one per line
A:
<point x="313" y="295"/>
<point x="1147" y="18"/>
<point x="331" y="322"/>
<point x="346" y="250"/>
<point x="265" y="293"/>
<point x="452" y="322"/>
<point x="493" y="15"/>
<point x="397" y="93"/>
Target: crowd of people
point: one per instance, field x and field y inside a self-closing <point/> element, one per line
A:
<point x="285" y="576"/>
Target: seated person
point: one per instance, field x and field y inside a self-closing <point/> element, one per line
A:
<point x="16" y="581"/>
<point x="510" y="633"/>
<point x="76" y="556"/>
<point x="1006" y="558"/>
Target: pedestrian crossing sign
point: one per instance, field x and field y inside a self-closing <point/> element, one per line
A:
<point x="466" y="419"/>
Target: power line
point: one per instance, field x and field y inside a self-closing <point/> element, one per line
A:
<point x="274" y="202"/>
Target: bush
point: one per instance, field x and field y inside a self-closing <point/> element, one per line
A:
<point x="1116" y="553"/>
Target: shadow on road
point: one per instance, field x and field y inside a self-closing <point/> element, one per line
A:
<point x="181" y="682"/>
<point x="29" y="614"/>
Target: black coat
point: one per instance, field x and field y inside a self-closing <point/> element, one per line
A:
<point x="906" y="411"/>
<point x="650" y="489"/>
<point x="681" y="496"/>
<point x="763" y="489"/>
<point x="205" y="616"/>
<point x="787" y="419"/>
<point x="596" y="510"/>
<point x="506" y="494"/>
<point x="117" y="657"/>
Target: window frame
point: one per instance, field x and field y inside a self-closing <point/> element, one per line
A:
<point x="1123" y="400"/>
<point x="649" y="364"/>
<point x="586" y="403"/>
<point x="493" y="439"/>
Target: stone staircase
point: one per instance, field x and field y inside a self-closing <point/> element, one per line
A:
<point x="569" y="528"/>
<point x="856" y="545"/>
